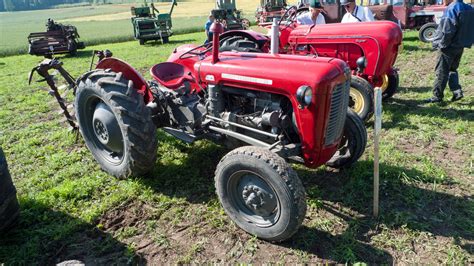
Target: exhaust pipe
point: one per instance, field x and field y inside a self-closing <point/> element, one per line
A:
<point x="216" y="28"/>
<point x="275" y="37"/>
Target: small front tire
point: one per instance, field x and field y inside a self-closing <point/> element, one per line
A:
<point x="361" y="97"/>
<point x="427" y="32"/>
<point x="392" y="86"/>
<point x="261" y="193"/>
<point x="353" y="143"/>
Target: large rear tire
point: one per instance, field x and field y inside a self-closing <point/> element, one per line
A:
<point x="354" y="140"/>
<point x="261" y="193"/>
<point x="427" y="32"/>
<point x="9" y="207"/>
<point x="115" y="123"/>
<point x="361" y="98"/>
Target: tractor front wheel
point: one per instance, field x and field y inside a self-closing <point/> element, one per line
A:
<point x="361" y="97"/>
<point x="261" y="193"/>
<point x="354" y="140"/>
<point x="390" y="85"/>
<point x="115" y="123"/>
<point x="427" y="32"/>
<point x="9" y="208"/>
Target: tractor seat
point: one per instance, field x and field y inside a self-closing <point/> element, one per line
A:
<point x="171" y="75"/>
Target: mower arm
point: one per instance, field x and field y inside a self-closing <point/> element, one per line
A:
<point x="172" y="6"/>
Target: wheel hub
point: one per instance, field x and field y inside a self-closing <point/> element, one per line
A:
<point x="258" y="197"/>
<point x="106" y="128"/>
<point x="356" y="102"/>
<point x="384" y="82"/>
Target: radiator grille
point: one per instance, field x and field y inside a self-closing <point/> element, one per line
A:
<point x="337" y="113"/>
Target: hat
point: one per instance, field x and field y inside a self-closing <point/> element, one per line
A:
<point x="346" y="2"/>
<point x="315" y="4"/>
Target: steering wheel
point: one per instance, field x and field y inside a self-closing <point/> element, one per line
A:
<point x="289" y="13"/>
<point x="193" y="52"/>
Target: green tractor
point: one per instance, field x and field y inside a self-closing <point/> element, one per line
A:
<point x="227" y="13"/>
<point x="149" y="24"/>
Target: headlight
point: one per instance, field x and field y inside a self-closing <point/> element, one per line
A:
<point x="304" y="95"/>
<point x="361" y="63"/>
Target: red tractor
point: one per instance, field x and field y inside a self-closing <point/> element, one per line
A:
<point x="370" y="50"/>
<point x="270" y="9"/>
<point x="409" y="14"/>
<point x="235" y="98"/>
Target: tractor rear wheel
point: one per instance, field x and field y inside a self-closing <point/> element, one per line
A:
<point x="115" y="123"/>
<point x="391" y="86"/>
<point x="9" y="208"/>
<point x="261" y="193"/>
<point x="361" y="97"/>
<point x="427" y="32"/>
<point x="354" y="140"/>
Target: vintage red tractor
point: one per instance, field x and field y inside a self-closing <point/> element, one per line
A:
<point x="270" y="9"/>
<point x="370" y="50"/>
<point x="409" y="14"/>
<point x="238" y="99"/>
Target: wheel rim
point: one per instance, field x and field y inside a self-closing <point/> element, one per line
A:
<point x="253" y="198"/>
<point x="384" y="82"/>
<point x="102" y="129"/>
<point x="356" y="101"/>
<point x="429" y="33"/>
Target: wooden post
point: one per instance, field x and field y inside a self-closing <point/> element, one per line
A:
<point x="377" y="129"/>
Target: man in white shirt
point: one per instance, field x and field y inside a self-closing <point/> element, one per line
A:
<point x="355" y="13"/>
<point x="314" y="16"/>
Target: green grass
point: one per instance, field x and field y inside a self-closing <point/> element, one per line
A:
<point x="73" y="210"/>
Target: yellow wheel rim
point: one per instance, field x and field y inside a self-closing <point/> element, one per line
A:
<point x="357" y="103"/>
<point x="384" y="82"/>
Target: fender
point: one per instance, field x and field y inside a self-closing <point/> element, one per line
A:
<point x="257" y="37"/>
<point x="129" y="73"/>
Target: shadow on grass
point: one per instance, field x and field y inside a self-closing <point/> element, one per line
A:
<point x="45" y="237"/>
<point x="171" y="42"/>
<point x="404" y="202"/>
<point x="409" y="47"/>
<point x="402" y="109"/>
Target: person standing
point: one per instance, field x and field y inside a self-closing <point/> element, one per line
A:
<point x="454" y="33"/>
<point x="355" y="13"/>
<point x="314" y="16"/>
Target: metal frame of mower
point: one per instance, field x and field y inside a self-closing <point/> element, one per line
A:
<point x="236" y="99"/>
<point x="149" y="24"/>
<point x="57" y="39"/>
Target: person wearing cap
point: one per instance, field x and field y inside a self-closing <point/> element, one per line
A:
<point x="207" y="27"/>
<point x="355" y="13"/>
<point x="314" y="16"/>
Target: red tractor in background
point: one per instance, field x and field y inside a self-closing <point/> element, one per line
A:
<point x="370" y="51"/>
<point x="270" y="9"/>
<point x="238" y="99"/>
<point x="409" y="14"/>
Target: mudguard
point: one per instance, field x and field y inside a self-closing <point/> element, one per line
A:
<point x="128" y="72"/>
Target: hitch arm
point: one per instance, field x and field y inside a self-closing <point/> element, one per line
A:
<point x="43" y="70"/>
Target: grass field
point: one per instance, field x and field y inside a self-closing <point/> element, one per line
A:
<point x="73" y="210"/>
<point x="102" y="23"/>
